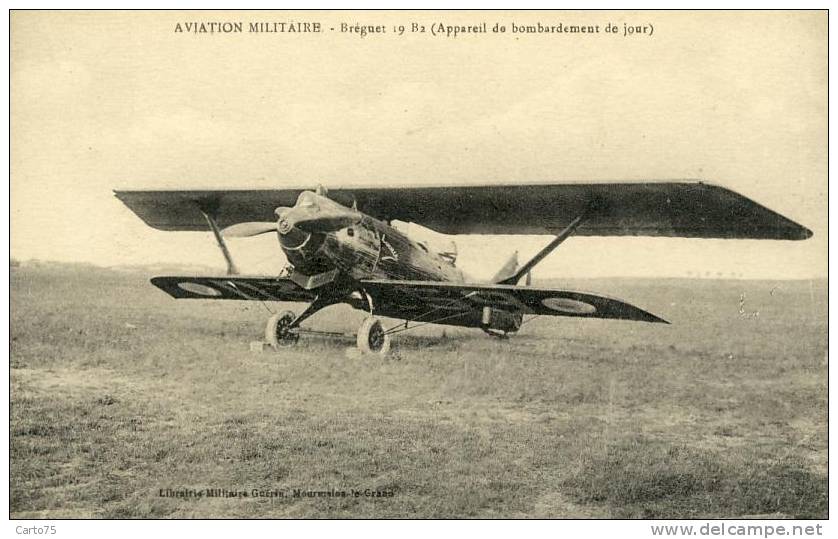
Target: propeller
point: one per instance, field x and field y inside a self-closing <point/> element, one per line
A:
<point x="313" y="213"/>
<point x="248" y="229"/>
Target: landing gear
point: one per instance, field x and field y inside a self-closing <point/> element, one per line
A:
<point x="279" y="331"/>
<point x="372" y="338"/>
<point x="283" y="329"/>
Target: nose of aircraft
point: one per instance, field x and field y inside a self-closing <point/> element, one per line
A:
<point x="283" y="224"/>
<point x="313" y="213"/>
<point x="290" y="236"/>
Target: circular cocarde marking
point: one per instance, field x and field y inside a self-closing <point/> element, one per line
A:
<point x="200" y="289"/>
<point x="567" y="305"/>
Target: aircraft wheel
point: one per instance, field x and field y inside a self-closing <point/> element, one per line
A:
<point x="277" y="332"/>
<point x="371" y="337"/>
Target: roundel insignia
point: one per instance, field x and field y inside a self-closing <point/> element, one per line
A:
<point x="200" y="289"/>
<point x="567" y="305"/>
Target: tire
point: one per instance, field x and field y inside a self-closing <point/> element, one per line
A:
<point x="276" y="333"/>
<point x="372" y="339"/>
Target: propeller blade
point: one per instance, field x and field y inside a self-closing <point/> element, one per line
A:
<point x="246" y="230"/>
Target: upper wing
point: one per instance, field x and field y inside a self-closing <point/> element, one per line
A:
<point x="230" y="287"/>
<point x="676" y="209"/>
<point x="407" y="299"/>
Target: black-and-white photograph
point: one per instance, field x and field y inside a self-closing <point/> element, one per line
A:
<point x="419" y="265"/>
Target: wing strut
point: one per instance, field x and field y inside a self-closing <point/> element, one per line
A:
<point x="231" y="266"/>
<point x="563" y="235"/>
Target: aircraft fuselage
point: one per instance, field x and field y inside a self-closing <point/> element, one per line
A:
<point x="366" y="249"/>
<point x="318" y="236"/>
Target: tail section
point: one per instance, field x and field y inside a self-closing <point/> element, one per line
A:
<point x="507" y="270"/>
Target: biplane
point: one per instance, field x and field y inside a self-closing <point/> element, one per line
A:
<point x="342" y="246"/>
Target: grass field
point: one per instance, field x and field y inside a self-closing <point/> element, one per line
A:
<point x="118" y="391"/>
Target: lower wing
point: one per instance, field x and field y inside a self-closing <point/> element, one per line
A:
<point x="410" y="297"/>
<point x="414" y="299"/>
<point x="230" y="287"/>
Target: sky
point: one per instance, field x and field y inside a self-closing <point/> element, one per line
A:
<point x="118" y="100"/>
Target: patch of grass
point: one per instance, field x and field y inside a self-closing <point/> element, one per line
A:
<point x="118" y="391"/>
<point x="646" y="479"/>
